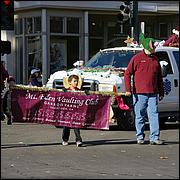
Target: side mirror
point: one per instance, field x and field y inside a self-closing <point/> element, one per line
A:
<point x="164" y="68"/>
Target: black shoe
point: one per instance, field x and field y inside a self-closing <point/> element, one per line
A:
<point x="9" y="123"/>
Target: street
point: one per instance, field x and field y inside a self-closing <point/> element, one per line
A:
<point x="34" y="151"/>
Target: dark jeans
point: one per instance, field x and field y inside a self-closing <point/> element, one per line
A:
<point x="7" y="106"/>
<point x="66" y="134"/>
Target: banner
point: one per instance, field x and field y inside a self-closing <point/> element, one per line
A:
<point x="70" y="109"/>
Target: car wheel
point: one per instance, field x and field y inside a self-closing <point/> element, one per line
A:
<point x="125" y="120"/>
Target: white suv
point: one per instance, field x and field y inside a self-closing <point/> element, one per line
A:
<point x="105" y="72"/>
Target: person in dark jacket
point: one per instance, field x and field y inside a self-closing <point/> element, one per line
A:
<point x="143" y="79"/>
<point x="35" y="78"/>
<point x="4" y="76"/>
<point x="7" y="99"/>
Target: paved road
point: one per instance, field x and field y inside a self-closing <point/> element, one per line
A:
<point x="33" y="151"/>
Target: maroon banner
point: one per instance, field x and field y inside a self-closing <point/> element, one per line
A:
<point x="74" y="110"/>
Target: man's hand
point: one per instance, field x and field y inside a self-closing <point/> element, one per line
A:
<point x="161" y="98"/>
<point x="127" y="93"/>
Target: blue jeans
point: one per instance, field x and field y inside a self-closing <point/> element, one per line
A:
<point x="146" y="103"/>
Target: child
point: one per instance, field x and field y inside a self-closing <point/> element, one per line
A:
<point x="35" y="78"/>
<point x="73" y="82"/>
<point x="7" y="100"/>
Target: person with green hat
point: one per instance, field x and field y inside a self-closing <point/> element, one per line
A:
<point x="147" y="89"/>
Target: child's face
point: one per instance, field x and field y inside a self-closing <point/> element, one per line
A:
<point x="74" y="83"/>
<point x="37" y="74"/>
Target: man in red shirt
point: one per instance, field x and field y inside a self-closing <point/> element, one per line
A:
<point x="147" y="87"/>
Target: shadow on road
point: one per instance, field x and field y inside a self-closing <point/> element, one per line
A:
<point x="168" y="125"/>
<point x="86" y="143"/>
<point x="6" y="146"/>
<point x="123" y="141"/>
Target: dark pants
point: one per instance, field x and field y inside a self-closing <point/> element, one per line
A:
<point x="7" y="106"/>
<point x="66" y="134"/>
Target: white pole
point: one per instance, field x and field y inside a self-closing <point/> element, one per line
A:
<point x="44" y="47"/>
<point x="142" y="27"/>
<point x="132" y="32"/>
<point x="121" y="28"/>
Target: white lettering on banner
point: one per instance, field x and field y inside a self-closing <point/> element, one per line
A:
<point x="91" y="102"/>
<point x="30" y="96"/>
<point x="47" y="98"/>
<point x="72" y="100"/>
<point x="55" y="101"/>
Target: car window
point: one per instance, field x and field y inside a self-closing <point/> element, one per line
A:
<point x="176" y="56"/>
<point x="163" y="56"/>
<point x="112" y="59"/>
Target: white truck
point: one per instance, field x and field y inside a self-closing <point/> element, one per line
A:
<point x="105" y="72"/>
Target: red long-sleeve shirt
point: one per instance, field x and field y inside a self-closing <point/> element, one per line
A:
<point x="147" y="75"/>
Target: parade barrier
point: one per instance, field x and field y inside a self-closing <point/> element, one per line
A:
<point x="55" y="107"/>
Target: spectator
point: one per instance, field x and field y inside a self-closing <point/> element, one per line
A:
<point x="73" y="86"/>
<point x="147" y="84"/>
<point x="4" y="76"/>
<point x="35" y="78"/>
<point x="173" y="40"/>
<point x="7" y="100"/>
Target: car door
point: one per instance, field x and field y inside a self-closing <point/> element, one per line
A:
<point x="171" y="80"/>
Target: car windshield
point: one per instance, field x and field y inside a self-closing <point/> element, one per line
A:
<point x="111" y="59"/>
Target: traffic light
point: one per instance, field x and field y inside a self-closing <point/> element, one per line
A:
<point x="7" y="15"/>
<point x="5" y="47"/>
<point x="127" y="2"/>
<point x="120" y="17"/>
<point x="125" y="11"/>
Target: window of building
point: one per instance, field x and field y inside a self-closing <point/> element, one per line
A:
<point x="34" y="52"/>
<point x="18" y="26"/>
<point x="163" y="30"/>
<point x="19" y="60"/>
<point x="56" y="24"/>
<point x="29" y="25"/>
<point x="37" y="24"/>
<point x="96" y="26"/>
<point x="72" y="25"/>
<point x="58" y="56"/>
<point x="32" y="25"/>
<point x="94" y="46"/>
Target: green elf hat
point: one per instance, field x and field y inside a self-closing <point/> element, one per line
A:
<point x="147" y="43"/>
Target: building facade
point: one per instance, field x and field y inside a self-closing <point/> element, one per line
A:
<point x="53" y="34"/>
